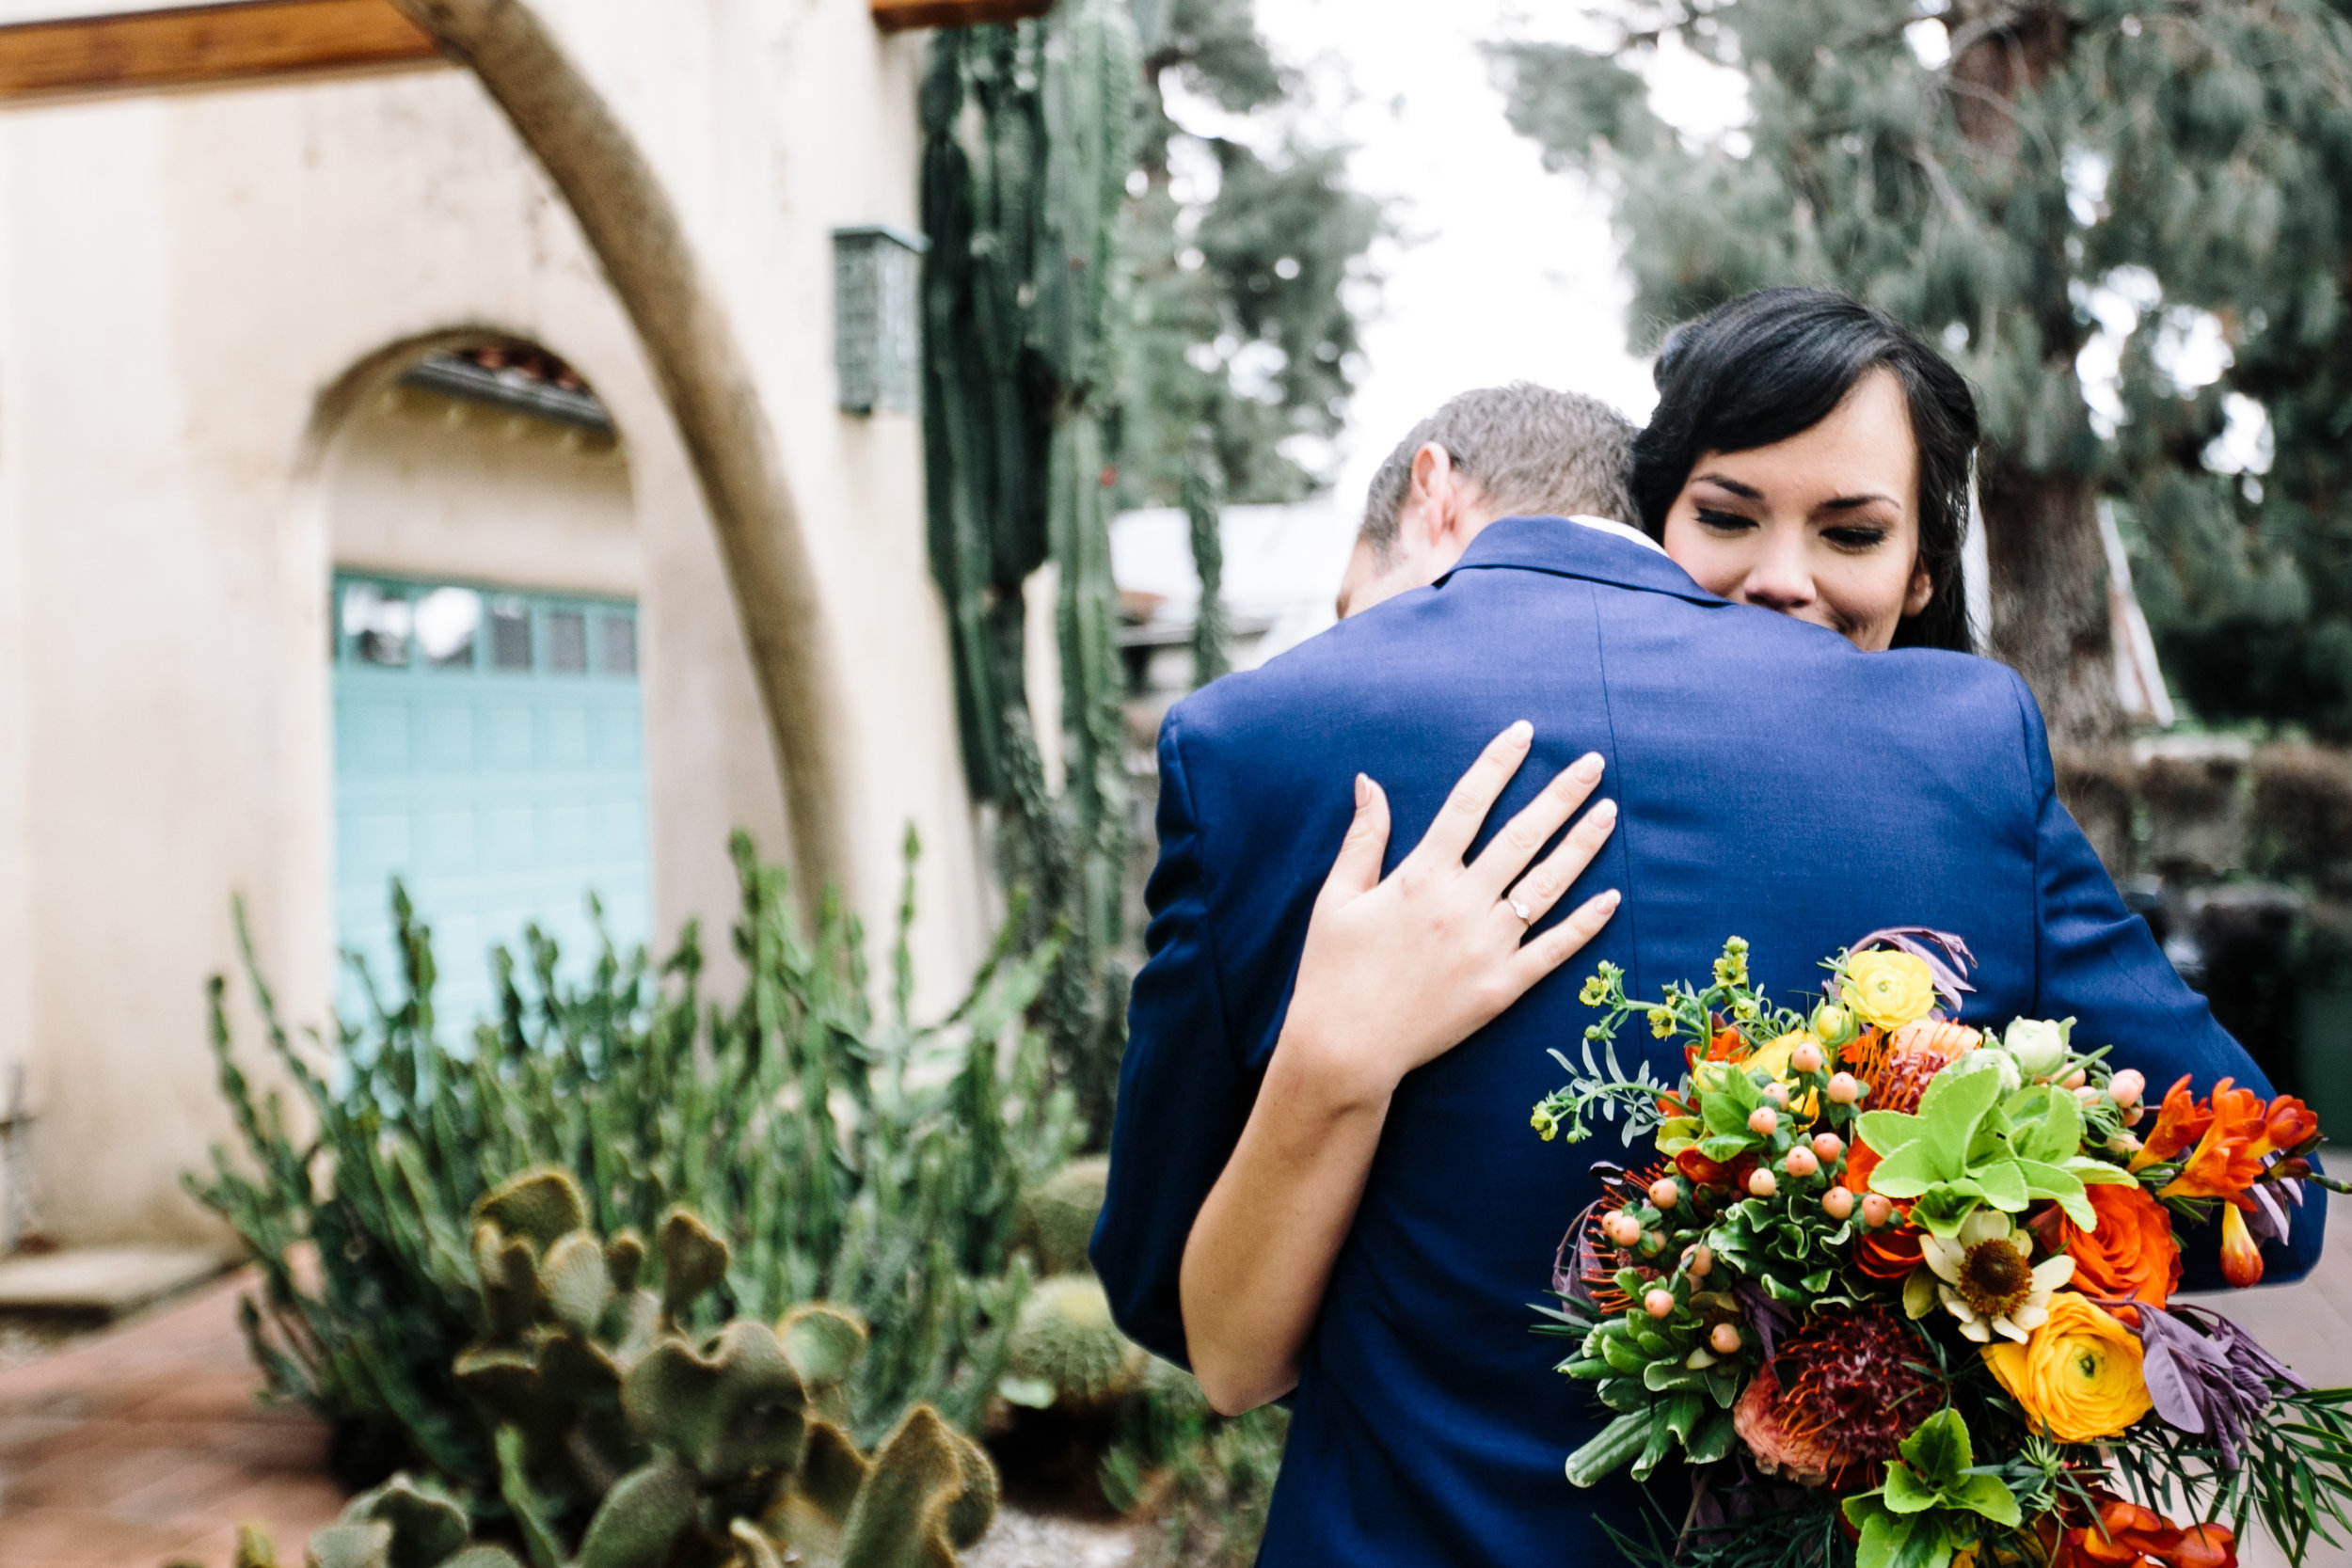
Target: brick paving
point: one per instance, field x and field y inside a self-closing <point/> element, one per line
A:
<point x="145" y="1446"/>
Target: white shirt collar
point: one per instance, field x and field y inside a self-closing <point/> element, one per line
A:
<point x="1609" y="525"/>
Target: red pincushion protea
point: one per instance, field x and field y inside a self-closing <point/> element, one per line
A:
<point x="1841" y="1395"/>
<point x="1596" y="1259"/>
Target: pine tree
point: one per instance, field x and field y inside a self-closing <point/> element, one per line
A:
<point x="1998" y="175"/>
<point x="1239" y="326"/>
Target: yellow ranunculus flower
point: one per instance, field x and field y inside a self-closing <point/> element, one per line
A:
<point x="2078" y="1377"/>
<point x="1773" y="1058"/>
<point x="1889" y="989"/>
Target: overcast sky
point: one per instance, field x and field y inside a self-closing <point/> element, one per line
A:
<point x="1506" y="272"/>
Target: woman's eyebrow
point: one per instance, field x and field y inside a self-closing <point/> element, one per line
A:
<point x="1846" y="503"/>
<point x="1748" y="492"/>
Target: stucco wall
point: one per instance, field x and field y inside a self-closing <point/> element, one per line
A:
<point x="196" y="293"/>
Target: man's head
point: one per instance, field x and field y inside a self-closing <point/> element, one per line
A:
<point x="1500" y="451"/>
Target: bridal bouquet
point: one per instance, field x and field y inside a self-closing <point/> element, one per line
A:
<point x="1904" y="1289"/>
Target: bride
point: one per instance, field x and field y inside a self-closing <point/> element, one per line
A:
<point x="1807" y="456"/>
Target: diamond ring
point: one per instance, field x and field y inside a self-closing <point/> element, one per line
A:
<point x="1526" y="917"/>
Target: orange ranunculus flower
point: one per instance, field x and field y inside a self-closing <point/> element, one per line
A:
<point x="2130" y="1252"/>
<point x="2078" y="1377"/>
<point x="2289" y="1124"/>
<point x="2181" y="1120"/>
<point x="2241" y="1259"/>
<point x="2225" y="1162"/>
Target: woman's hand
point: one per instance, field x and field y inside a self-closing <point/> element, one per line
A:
<point x="1400" y="970"/>
<point x="1395" y="972"/>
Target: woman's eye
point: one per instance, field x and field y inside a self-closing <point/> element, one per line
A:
<point x="1725" y="522"/>
<point x="1855" y="538"/>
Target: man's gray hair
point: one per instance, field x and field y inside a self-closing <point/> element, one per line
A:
<point x="1531" y="451"/>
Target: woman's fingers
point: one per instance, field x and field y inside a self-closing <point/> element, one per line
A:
<point x="1464" y="810"/>
<point x="1357" y="871"/>
<point x="1542" y="887"/>
<point x="1507" y="853"/>
<point x="1564" y="941"/>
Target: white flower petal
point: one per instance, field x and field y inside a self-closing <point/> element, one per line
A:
<point x="1943" y="1256"/>
<point x="2021" y="1242"/>
<point x="1976" y="1331"/>
<point x="2030" y="1316"/>
<point x="2008" y="1328"/>
<point x="2051" y="1272"/>
<point x="1956" y="1306"/>
<point x="1985" y="1225"/>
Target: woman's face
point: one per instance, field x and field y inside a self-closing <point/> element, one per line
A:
<point x="1823" y="526"/>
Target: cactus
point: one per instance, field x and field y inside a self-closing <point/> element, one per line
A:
<point x="1026" y="134"/>
<point x="1057" y="1215"/>
<point x="1066" y="1350"/>
<point x="650" y="1096"/>
<point x="646" y="1444"/>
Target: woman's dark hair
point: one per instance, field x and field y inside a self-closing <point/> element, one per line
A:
<point x="1773" y="364"/>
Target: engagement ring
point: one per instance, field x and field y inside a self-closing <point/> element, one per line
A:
<point x="1521" y="909"/>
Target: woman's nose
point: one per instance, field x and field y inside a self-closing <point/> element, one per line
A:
<point x="1780" y="579"/>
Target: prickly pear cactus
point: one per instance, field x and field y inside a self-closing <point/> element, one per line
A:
<point x="1066" y="1350"/>
<point x="1057" y="1215"/>
<point x="625" y="1442"/>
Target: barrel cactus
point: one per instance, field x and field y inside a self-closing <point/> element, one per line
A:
<point x="1057" y="1215"/>
<point x="1065" y="1349"/>
<point x="624" y="1441"/>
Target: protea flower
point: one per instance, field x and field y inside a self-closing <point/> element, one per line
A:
<point x="1839" y="1397"/>
<point x="1984" y="1278"/>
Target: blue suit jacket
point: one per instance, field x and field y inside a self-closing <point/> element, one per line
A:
<point x="1774" y="783"/>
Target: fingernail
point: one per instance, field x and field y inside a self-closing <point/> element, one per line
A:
<point x="1587" y="767"/>
<point x="1605" y="810"/>
<point x="1612" y="898"/>
<point x="1363" y="791"/>
<point x="1521" y="732"/>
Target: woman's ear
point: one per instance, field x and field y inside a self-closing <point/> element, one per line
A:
<point x="1922" y="589"/>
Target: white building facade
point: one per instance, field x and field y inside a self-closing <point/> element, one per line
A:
<point x="213" y="434"/>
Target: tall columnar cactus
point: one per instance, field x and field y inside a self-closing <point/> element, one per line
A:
<point x="626" y="1441"/>
<point x="1026" y="158"/>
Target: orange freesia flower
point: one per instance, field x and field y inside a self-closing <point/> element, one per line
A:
<point x="2126" y="1535"/>
<point x="2181" y="1120"/>
<point x="2226" y="1159"/>
<point x="2241" y="1259"/>
<point x="2289" y="1124"/>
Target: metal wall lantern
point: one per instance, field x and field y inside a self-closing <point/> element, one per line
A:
<point x="877" y="331"/>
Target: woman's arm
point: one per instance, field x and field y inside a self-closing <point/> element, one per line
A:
<point x="1396" y="972"/>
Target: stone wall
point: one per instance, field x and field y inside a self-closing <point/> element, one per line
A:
<point x="2240" y="856"/>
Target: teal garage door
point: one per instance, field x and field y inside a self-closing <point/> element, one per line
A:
<point x="489" y="752"/>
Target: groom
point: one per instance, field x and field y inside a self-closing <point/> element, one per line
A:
<point x="1774" y="783"/>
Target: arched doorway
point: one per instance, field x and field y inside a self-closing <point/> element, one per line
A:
<point x="487" y="734"/>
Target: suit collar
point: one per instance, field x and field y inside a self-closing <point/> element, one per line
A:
<point x="1569" y="550"/>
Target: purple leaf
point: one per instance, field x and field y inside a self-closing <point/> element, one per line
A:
<point x="1946" y="957"/>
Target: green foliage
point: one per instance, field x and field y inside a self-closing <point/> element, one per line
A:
<point x="1969" y="1148"/>
<point x="2175" y="166"/>
<point x="624" y="1441"/>
<point x="831" y="1153"/>
<point x="2290" y="1477"/>
<point x="1219" y="1471"/>
<point x="1240" y="259"/>
<point x="1928" y="1507"/>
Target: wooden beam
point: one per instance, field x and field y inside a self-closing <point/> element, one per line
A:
<point x="194" y="45"/>
<point x="897" y="16"/>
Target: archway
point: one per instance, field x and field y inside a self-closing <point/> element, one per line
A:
<point x="487" y="731"/>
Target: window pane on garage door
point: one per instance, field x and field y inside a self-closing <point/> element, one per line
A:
<point x="489" y="752"/>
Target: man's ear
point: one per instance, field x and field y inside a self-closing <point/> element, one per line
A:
<point x="1437" y="488"/>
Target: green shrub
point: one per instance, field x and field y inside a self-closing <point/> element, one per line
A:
<point x="840" y="1155"/>
<point x="1213" y="1474"/>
